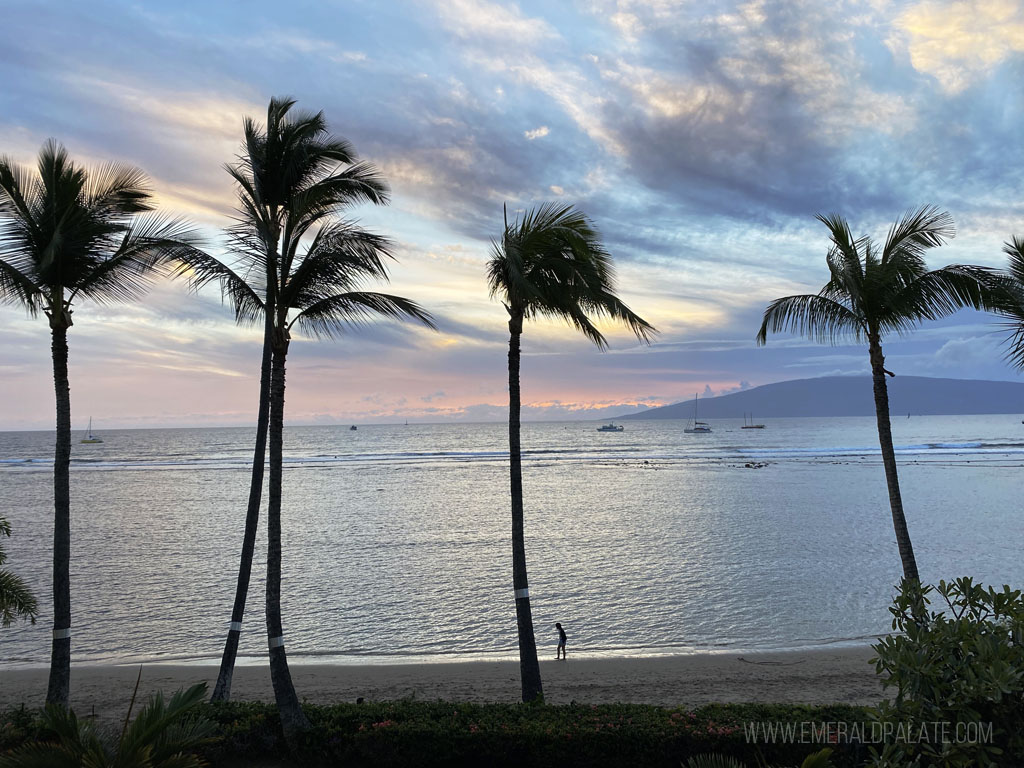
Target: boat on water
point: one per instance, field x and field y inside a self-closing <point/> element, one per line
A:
<point x="611" y="428"/>
<point x="695" y="427"/>
<point x="750" y="424"/>
<point x="352" y="428"/>
<point x="89" y="436"/>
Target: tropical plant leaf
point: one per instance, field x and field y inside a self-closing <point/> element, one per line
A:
<point x="822" y="319"/>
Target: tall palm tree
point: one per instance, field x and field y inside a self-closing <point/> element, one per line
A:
<point x="549" y="263"/>
<point x="69" y="233"/>
<point x="16" y="599"/>
<point x="871" y="293"/>
<point x="296" y="264"/>
<point x="290" y="175"/>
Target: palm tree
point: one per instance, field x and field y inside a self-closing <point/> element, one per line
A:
<point x="874" y="292"/>
<point x="287" y="181"/>
<point x="304" y="266"/>
<point x="549" y="263"/>
<point x="16" y="599"/>
<point x="68" y="233"/>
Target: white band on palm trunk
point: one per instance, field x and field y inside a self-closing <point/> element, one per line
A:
<point x="521" y="593"/>
<point x="277" y="642"/>
<point x="62" y="634"/>
<point x="235" y="626"/>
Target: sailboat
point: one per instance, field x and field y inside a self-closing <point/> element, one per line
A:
<point x="750" y="424"/>
<point x="89" y="436"/>
<point x="694" y="426"/>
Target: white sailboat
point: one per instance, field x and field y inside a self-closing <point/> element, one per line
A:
<point x="89" y="436"/>
<point x="694" y="426"/>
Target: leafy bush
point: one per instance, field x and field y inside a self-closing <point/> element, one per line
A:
<point x="417" y="733"/>
<point x="163" y="735"/>
<point x="958" y="674"/>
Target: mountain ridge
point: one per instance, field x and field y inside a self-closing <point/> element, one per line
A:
<point x="852" y="396"/>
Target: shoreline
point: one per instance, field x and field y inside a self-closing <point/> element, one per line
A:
<point x="815" y="676"/>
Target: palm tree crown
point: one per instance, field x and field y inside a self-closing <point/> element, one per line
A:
<point x="551" y="263"/>
<point x="872" y="292"/>
<point x="68" y="229"/>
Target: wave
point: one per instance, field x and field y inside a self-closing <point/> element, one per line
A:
<point x="618" y="453"/>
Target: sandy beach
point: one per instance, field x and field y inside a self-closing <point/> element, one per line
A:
<point x="818" y="676"/>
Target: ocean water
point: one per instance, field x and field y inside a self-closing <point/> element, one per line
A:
<point x="396" y="538"/>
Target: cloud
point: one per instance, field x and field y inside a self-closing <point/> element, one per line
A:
<point x="536" y="133"/>
<point x="959" y="42"/>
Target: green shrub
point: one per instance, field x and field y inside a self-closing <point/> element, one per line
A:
<point x="958" y="674"/>
<point x="165" y="734"/>
<point x="440" y="733"/>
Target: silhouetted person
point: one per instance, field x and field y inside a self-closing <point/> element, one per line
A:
<point x="560" y="651"/>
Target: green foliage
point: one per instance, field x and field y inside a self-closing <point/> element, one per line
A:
<point x="163" y="735"/>
<point x="820" y="759"/>
<point x="16" y="599"/>
<point x="962" y="666"/>
<point x="440" y="733"/>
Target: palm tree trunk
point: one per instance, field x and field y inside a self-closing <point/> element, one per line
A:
<point x="60" y="655"/>
<point x="222" y="690"/>
<point x="899" y="520"/>
<point x="293" y="721"/>
<point x="529" y="667"/>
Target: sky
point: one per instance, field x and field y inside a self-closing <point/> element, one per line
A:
<point x="700" y="137"/>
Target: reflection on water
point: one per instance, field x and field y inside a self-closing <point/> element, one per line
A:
<point x="396" y="538"/>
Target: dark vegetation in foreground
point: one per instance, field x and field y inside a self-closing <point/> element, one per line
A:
<point x="440" y="733"/>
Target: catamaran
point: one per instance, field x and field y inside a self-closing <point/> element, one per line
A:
<point x="89" y="436"/>
<point x="694" y="426"/>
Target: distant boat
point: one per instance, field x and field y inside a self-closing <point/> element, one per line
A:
<point x="89" y="436"/>
<point x="352" y="428"/>
<point x="750" y="424"/>
<point x="694" y="426"/>
<point x="611" y="428"/>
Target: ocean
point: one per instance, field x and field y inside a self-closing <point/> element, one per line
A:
<point x="396" y="538"/>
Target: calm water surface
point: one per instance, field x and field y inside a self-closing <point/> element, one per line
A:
<point x="396" y="538"/>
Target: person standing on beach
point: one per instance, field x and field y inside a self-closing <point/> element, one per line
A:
<point x="560" y="651"/>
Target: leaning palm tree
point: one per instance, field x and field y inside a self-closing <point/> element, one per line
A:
<point x="290" y="175"/>
<point x="549" y="263"/>
<point x="874" y="292"/>
<point x="295" y="264"/>
<point x="16" y="599"/>
<point x="68" y="233"/>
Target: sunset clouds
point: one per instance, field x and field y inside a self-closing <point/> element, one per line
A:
<point x="701" y="138"/>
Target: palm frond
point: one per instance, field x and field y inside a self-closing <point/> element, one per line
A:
<point x="332" y="315"/>
<point x="341" y="255"/>
<point x="17" y="288"/>
<point x="201" y="269"/>
<point x="149" y="248"/>
<point x="1015" y="251"/>
<point x="939" y="293"/>
<point x="820" y="318"/>
<point x="916" y="232"/>
<point x="118" y="189"/>
<point x="158" y="725"/>
<point x="16" y="600"/>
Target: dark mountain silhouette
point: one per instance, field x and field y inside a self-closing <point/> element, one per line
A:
<point x="852" y="396"/>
